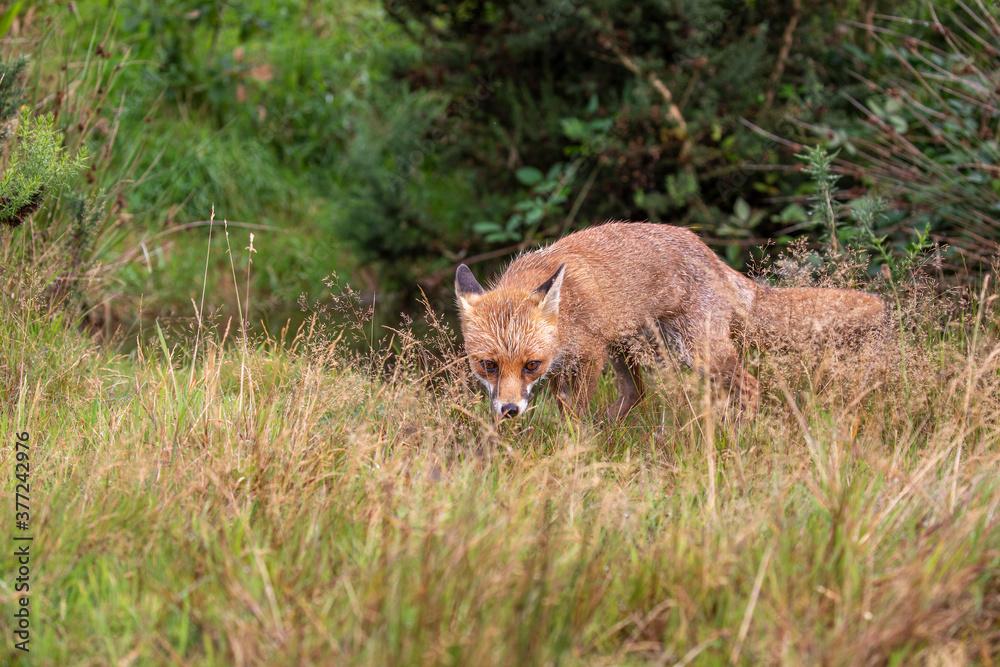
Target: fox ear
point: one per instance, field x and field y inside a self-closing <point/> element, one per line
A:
<point x="467" y="289"/>
<point x="547" y="293"/>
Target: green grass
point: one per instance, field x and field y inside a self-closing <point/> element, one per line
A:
<point x="279" y="503"/>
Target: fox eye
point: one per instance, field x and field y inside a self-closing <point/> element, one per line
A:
<point x="488" y="366"/>
<point x="532" y="366"/>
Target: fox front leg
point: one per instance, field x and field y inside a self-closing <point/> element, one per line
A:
<point x="630" y="387"/>
<point x="562" y="389"/>
<point x="575" y="387"/>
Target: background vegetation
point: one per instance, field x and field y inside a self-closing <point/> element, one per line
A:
<point x="211" y="209"/>
<point x="388" y="143"/>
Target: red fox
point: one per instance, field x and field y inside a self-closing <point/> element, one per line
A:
<point x="564" y="309"/>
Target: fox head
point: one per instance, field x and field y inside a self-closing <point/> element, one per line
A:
<point x="511" y="336"/>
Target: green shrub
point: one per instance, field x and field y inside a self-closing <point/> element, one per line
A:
<point x="39" y="165"/>
<point x="928" y="135"/>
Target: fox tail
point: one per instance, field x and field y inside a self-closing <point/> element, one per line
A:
<point x="804" y="317"/>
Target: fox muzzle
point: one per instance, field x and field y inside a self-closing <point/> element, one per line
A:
<point x="508" y="409"/>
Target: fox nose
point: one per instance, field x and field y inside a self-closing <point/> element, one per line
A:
<point x="508" y="410"/>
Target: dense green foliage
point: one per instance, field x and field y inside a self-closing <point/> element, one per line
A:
<point x="644" y="102"/>
<point x="929" y="131"/>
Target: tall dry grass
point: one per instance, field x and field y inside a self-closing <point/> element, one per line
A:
<point x="294" y="501"/>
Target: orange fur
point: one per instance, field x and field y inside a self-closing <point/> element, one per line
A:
<point x="573" y="304"/>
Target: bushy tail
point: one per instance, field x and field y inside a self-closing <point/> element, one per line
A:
<point x="806" y="317"/>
